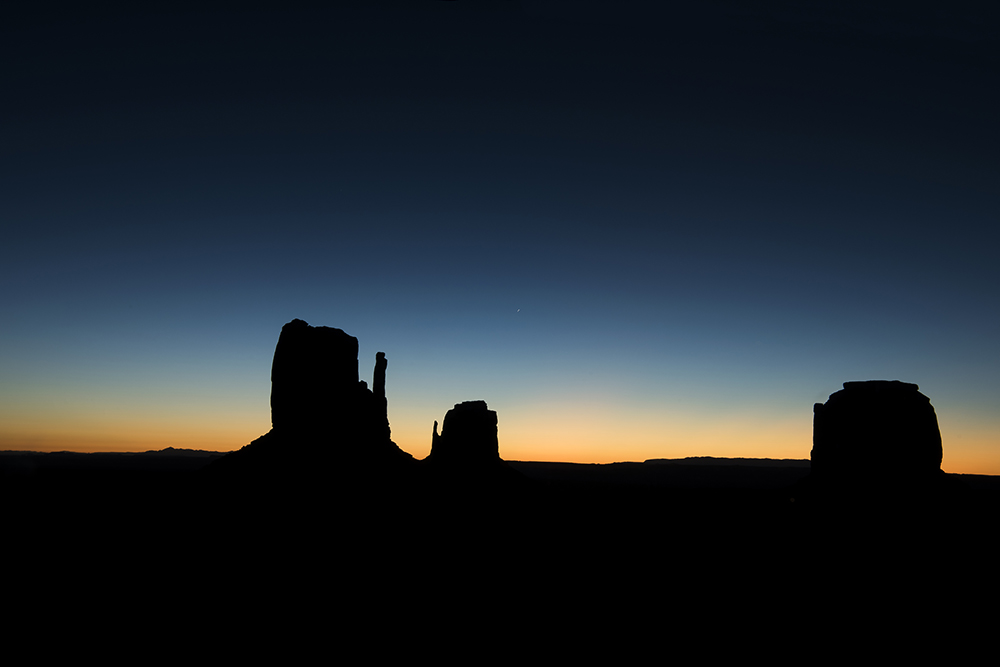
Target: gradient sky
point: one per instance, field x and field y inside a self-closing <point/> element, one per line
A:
<point x="635" y="231"/>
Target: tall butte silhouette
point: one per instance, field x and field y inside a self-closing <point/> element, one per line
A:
<point x="321" y="412"/>
<point x="879" y="434"/>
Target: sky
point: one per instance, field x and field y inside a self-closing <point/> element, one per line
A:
<point x="635" y="229"/>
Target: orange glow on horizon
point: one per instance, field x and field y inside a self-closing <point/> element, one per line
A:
<point x="551" y="433"/>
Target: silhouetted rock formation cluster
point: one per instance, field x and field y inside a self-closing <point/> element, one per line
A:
<point x="326" y="421"/>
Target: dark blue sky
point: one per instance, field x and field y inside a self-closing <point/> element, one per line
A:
<point x="635" y="231"/>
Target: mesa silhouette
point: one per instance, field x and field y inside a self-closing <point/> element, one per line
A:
<point x="878" y="441"/>
<point x="875" y="430"/>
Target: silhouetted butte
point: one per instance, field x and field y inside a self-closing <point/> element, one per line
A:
<point x="876" y="432"/>
<point x="469" y="436"/>
<point x="321" y="413"/>
<point x="468" y="442"/>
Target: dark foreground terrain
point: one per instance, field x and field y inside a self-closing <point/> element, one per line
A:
<point x="129" y="542"/>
